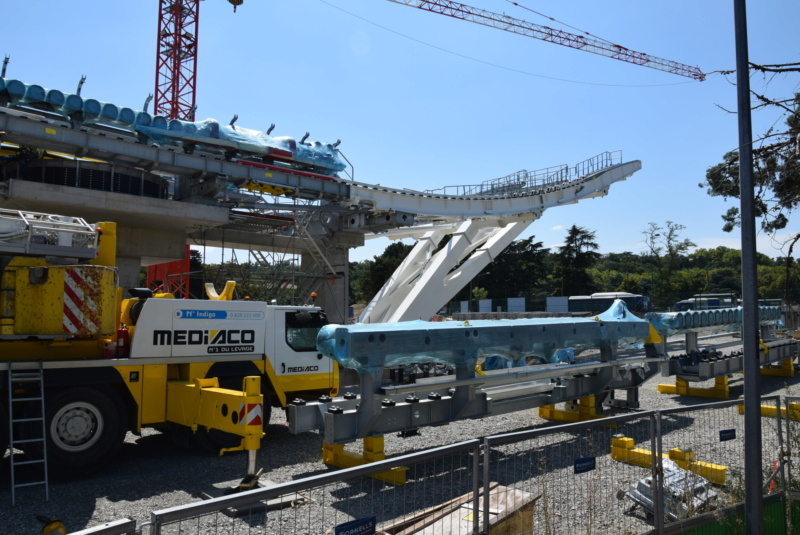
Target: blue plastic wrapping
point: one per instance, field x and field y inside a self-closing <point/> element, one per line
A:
<point x="322" y="157"/>
<point x="369" y="347"/>
<point x="716" y="320"/>
<point x="211" y="135"/>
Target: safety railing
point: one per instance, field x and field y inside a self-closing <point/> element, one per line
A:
<point x="533" y="181"/>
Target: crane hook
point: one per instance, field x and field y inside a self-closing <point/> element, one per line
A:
<point x="235" y="4"/>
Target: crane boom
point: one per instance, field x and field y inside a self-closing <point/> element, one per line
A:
<point x="528" y="29"/>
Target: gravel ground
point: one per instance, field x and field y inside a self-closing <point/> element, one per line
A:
<point x="151" y="472"/>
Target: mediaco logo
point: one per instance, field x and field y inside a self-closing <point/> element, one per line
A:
<point x="301" y="369"/>
<point x="217" y="341"/>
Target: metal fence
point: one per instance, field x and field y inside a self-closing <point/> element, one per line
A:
<point x="574" y="478"/>
<point x="791" y="415"/>
<point x="317" y="504"/>
<point x="582" y="474"/>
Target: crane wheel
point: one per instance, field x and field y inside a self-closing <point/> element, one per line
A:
<point x="85" y="429"/>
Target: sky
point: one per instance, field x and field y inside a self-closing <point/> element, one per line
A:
<point x="421" y="100"/>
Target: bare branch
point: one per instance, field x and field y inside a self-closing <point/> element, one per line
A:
<point x="769" y="102"/>
<point x="777" y="68"/>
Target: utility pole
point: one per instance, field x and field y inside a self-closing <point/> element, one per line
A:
<point x="750" y="334"/>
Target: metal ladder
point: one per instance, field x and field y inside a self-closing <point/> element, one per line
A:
<point x="35" y="394"/>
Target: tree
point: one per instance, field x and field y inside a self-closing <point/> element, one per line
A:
<point x="519" y="271"/>
<point x="367" y="279"/>
<point x="776" y="166"/>
<point x="478" y="294"/>
<point x="358" y="274"/>
<point x="574" y="259"/>
<point x="626" y="262"/>
<point x="197" y="288"/>
<point x="667" y="248"/>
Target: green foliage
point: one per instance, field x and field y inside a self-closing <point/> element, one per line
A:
<point x="776" y="168"/>
<point x="521" y="270"/>
<point x="625" y="263"/>
<point x="776" y="171"/>
<point x="369" y="278"/>
<point x="667" y="255"/>
<point x="196" y="282"/>
<point x="667" y="274"/>
<point x="258" y="282"/>
<point x="359" y="273"/>
<point x="479" y="293"/>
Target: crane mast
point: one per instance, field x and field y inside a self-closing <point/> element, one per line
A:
<point x="176" y="59"/>
<point x="528" y="29"/>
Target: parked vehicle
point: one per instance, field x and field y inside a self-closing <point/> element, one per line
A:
<point x="80" y="366"/>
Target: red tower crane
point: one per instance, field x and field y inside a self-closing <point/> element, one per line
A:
<point x="528" y="29"/>
<point x="176" y="57"/>
<point x="176" y="82"/>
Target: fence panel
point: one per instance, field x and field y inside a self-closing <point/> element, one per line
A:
<point x="587" y="477"/>
<point x="792" y="423"/>
<point x="571" y="475"/>
<point x="708" y="441"/>
<point x="319" y="504"/>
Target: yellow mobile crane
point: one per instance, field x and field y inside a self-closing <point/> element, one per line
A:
<point x="80" y="366"/>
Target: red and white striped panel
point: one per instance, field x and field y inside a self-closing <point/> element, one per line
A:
<point x="81" y="301"/>
<point x="250" y="414"/>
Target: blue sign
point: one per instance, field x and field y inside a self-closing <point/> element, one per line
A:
<point x="586" y="464"/>
<point x="727" y="434"/>
<point x="362" y="526"/>
<point x="188" y="314"/>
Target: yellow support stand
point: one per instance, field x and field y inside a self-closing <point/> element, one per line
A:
<point x="768" y="411"/>
<point x="587" y="410"/>
<point x="715" y="473"/>
<point x="227" y="292"/>
<point x="372" y="451"/>
<point x="622" y="450"/>
<point x="720" y="390"/>
<point x="785" y="370"/>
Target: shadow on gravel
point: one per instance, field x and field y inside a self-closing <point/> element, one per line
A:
<point x="146" y="469"/>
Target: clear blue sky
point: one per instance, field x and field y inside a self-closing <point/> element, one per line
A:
<point x="421" y="100"/>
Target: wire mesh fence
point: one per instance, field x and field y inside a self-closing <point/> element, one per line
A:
<point x="571" y="473"/>
<point x="645" y="472"/>
<point x="791" y="413"/>
<point x="598" y="476"/>
<point x="322" y="503"/>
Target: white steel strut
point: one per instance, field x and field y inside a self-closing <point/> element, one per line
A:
<point x="427" y="279"/>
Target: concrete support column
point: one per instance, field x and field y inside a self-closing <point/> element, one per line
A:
<point x="137" y="247"/>
<point x="333" y="293"/>
<point x="128" y="269"/>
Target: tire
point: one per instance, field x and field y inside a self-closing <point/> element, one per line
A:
<point x="214" y="440"/>
<point x="85" y="429"/>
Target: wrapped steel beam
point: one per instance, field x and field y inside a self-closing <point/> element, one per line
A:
<point x="369" y="347"/>
<point x="716" y="320"/>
